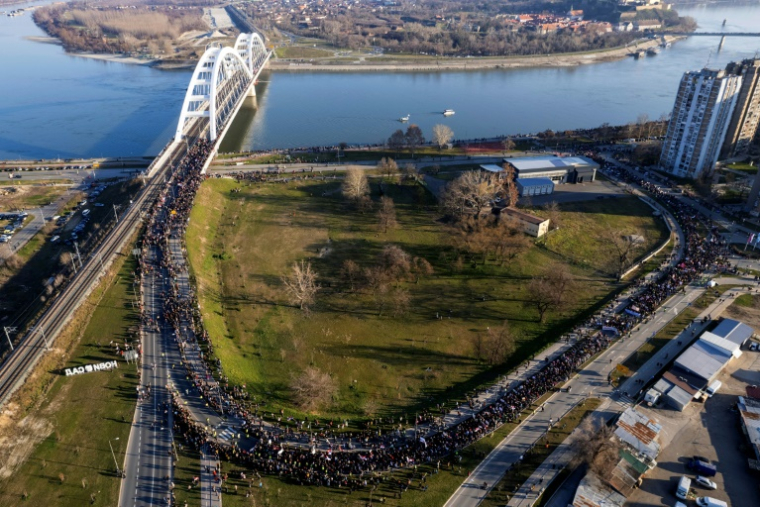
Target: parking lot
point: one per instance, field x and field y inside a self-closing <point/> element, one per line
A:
<point x="711" y="430"/>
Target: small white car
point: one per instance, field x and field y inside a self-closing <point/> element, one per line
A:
<point x="706" y="483"/>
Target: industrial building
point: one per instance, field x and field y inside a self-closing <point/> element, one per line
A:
<point x="534" y="186"/>
<point x="557" y="169"/>
<point x="701" y="363"/>
<point x="749" y="410"/>
<point x="704" y="104"/>
<point x="531" y="224"/>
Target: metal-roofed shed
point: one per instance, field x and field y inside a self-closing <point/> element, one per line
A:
<point x="734" y="331"/>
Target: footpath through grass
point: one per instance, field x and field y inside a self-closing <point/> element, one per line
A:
<point x="59" y="453"/>
<point x="387" y="361"/>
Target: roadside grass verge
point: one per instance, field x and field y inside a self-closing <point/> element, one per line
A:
<point x="56" y="429"/>
<point x="546" y="446"/>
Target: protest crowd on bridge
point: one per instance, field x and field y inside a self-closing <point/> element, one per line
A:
<point x="331" y="455"/>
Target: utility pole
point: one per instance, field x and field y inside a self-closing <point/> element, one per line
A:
<point x="115" y="214"/>
<point x="76" y="247"/>
<point x="118" y="472"/>
<point x="9" y="330"/>
<point x="102" y="267"/>
<point x="73" y="264"/>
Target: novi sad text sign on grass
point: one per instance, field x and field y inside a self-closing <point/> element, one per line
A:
<point x="78" y="370"/>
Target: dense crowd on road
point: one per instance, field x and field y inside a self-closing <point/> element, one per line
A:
<point x="701" y="252"/>
<point x="331" y="457"/>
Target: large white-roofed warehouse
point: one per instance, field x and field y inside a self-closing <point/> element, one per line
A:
<point x="557" y="169"/>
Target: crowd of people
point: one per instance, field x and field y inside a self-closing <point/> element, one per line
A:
<point x="332" y="457"/>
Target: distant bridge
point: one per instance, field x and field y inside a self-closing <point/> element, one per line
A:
<point x="711" y="34"/>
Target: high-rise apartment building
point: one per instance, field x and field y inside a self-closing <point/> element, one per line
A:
<point x="701" y="114"/>
<point x="743" y="125"/>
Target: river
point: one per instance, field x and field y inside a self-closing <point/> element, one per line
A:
<point x="59" y="105"/>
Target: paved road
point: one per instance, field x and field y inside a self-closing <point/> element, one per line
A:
<point x="149" y="454"/>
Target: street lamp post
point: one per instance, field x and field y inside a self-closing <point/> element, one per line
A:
<point x="118" y="472"/>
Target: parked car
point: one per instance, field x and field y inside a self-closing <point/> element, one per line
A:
<point x="703" y="468"/>
<point x="706" y="483"/>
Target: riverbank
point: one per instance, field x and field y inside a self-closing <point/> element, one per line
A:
<point x="414" y="64"/>
<point x="400" y="64"/>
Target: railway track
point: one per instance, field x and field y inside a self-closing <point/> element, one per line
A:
<point x="31" y="348"/>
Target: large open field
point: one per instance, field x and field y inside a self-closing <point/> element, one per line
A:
<point x="386" y="359"/>
<point x="54" y="434"/>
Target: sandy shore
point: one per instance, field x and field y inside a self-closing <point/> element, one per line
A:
<point x="462" y="64"/>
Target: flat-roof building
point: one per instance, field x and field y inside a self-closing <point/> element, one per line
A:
<point x="734" y="331"/>
<point x="749" y="410"/>
<point x="534" y="186"/>
<point x="557" y="169"/>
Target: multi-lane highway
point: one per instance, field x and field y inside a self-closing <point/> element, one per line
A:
<point x="148" y="466"/>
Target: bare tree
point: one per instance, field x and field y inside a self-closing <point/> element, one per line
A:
<point x="350" y="272"/>
<point x="507" y="144"/>
<point x="414" y="138"/>
<point x="401" y="300"/>
<point x="421" y="267"/>
<point x="301" y="286"/>
<point x="641" y="121"/>
<point x="550" y="290"/>
<point x="442" y="135"/>
<point x="470" y="193"/>
<point x="410" y="172"/>
<point x="501" y="343"/>
<point x="510" y="186"/>
<point x="472" y="234"/>
<point x="396" y="262"/>
<point x="623" y="247"/>
<point x="387" y="167"/>
<point x="387" y="214"/>
<point x="553" y="214"/>
<point x="508" y="239"/>
<point x="313" y="389"/>
<point x="397" y="141"/>
<point x="596" y="447"/>
<point x="355" y="185"/>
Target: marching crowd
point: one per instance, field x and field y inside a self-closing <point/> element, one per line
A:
<point x="346" y="460"/>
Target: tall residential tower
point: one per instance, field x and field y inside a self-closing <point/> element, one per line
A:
<point x="698" y="125"/>
<point x="743" y="125"/>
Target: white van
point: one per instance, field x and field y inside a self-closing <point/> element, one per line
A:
<point x="707" y="501"/>
<point x="684" y="484"/>
<point x="713" y="388"/>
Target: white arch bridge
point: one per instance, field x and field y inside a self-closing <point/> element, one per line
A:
<point x="223" y="77"/>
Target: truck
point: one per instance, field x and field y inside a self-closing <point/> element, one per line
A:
<point x="702" y="468"/>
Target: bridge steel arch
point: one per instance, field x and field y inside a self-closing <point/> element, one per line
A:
<point x="219" y="79"/>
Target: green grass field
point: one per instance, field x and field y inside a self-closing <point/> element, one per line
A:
<point x="241" y="244"/>
<point x="591" y="219"/>
<point x="66" y="436"/>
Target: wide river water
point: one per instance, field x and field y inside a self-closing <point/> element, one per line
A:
<point x="57" y="105"/>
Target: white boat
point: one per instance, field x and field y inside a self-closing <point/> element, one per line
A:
<point x="448" y="112"/>
<point x="405" y="119"/>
